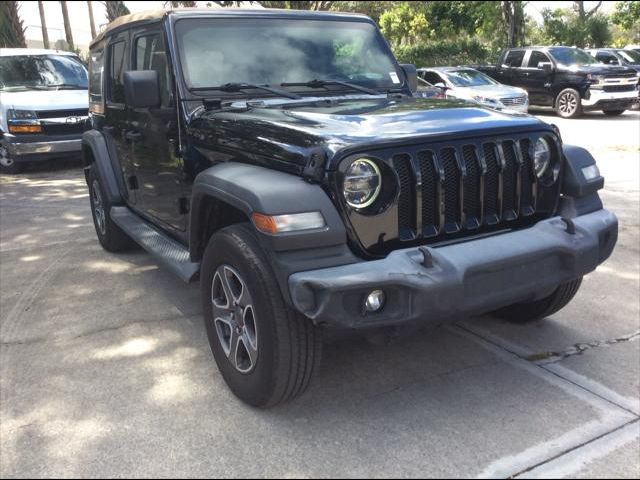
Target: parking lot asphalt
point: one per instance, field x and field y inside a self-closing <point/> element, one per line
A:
<point x="105" y="368"/>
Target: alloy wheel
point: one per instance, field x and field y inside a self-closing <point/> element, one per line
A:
<point x="234" y="318"/>
<point x="98" y="207"/>
<point x="567" y="103"/>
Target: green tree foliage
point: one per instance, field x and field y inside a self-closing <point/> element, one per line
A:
<point x="565" y="27"/>
<point x="11" y="27"/>
<point x="446" y="52"/>
<point x="115" y="9"/>
<point x="405" y="23"/>
<point x="294" y="5"/>
<point x="627" y="14"/>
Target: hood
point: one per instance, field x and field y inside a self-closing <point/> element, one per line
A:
<point x="45" y="99"/>
<point x="291" y="133"/>
<point x="600" y="69"/>
<point x="490" y="91"/>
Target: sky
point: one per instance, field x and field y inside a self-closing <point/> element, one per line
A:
<point x="79" y="16"/>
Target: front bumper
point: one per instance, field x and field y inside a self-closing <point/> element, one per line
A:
<point x="599" y="99"/>
<point x="473" y="277"/>
<point x="41" y="147"/>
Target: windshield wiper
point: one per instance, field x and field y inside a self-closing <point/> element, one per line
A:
<point x="67" y="85"/>
<point x="316" y="83"/>
<point x="238" y="87"/>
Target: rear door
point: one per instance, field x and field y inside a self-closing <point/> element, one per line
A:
<point x="115" y="111"/>
<point x="152" y="135"/>
<point x="512" y="68"/>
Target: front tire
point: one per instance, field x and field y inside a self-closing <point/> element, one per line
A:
<point x="110" y="236"/>
<point x="8" y="165"/>
<point x="547" y="306"/>
<point x="568" y="104"/>
<point x="266" y="352"/>
<point x="613" y="113"/>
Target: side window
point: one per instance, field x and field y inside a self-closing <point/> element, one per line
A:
<point x="116" y="72"/>
<point x="150" y="54"/>
<point x="433" y="78"/>
<point x="96" y="67"/>
<point x="606" y="57"/>
<point x="535" y="58"/>
<point x="514" y="58"/>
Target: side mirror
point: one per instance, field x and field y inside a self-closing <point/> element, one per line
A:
<point x="411" y="73"/>
<point x="546" y="66"/>
<point x="142" y="88"/>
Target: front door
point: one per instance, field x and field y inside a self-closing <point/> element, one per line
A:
<point x="537" y="81"/>
<point x="152" y="135"/>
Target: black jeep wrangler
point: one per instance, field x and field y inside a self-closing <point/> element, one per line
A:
<point x="280" y="157"/>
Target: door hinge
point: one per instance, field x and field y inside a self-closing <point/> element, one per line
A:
<point x="183" y="205"/>
<point x="133" y="182"/>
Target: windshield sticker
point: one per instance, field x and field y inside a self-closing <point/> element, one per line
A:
<point x="394" y="77"/>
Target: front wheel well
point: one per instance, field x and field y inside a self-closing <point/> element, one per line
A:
<point x="212" y="215"/>
<point x="87" y="155"/>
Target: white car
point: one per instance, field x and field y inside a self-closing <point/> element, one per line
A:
<point x="469" y="84"/>
<point x="43" y="105"/>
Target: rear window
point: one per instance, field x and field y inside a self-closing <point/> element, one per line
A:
<point x="96" y="68"/>
<point x="116" y="72"/>
<point x="514" y="58"/>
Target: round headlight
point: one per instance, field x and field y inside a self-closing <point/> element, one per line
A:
<point x="362" y="182"/>
<point x="541" y="157"/>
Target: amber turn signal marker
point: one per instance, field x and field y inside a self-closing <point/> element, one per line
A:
<point x="25" y="128"/>
<point x="264" y="223"/>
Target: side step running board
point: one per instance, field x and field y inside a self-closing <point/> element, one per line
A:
<point x="168" y="251"/>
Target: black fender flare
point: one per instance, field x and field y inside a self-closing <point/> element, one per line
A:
<point x="95" y="145"/>
<point x="579" y="194"/>
<point x="251" y="188"/>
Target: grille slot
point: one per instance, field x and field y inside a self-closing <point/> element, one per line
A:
<point x="619" y="88"/>
<point x="509" y="181"/>
<point x="451" y="190"/>
<point x="491" y="184"/>
<point x="527" y="178"/>
<point x="430" y="180"/>
<point x="406" y="200"/>
<point x="472" y="203"/>
<point x="82" y="112"/>
<point x="512" y="101"/>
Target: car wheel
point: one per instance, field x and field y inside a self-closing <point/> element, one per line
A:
<point x="266" y="352"/>
<point x="528" y="311"/>
<point x="613" y="113"/>
<point x="8" y="164"/>
<point x="111" y="237"/>
<point x="568" y="103"/>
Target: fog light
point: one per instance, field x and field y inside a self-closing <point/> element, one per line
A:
<point x="375" y="301"/>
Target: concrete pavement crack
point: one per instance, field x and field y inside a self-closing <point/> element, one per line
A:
<point x="545" y="358"/>
<point x="38" y="340"/>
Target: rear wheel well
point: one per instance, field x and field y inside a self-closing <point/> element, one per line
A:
<point x="213" y="214"/>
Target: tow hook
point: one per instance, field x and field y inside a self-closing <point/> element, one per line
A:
<point x="427" y="257"/>
<point x="571" y="227"/>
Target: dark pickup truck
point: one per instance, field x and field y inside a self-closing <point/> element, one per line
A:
<point x="567" y="79"/>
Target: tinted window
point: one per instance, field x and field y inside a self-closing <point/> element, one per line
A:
<point x="116" y="72"/>
<point x="432" y="78"/>
<point x="571" y="56"/>
<point x="42" y="72"/>
<point x="514" y="58"/>
<point x="469" y="78"/>
<point x="606" y="57"/>
<point x="535" y="58"/>
<point x="273" y="51"/>
<point x="96" y="67"/>
<point x="631" y="56"/>
<point x="150" y="55"/>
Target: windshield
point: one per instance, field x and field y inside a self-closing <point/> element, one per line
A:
<point x="572" y="56"/>
<point x="41" y="72"/>
<point x="215" y="52"/>
<point x="630" y="56"/>
<point x="469" y="78"/>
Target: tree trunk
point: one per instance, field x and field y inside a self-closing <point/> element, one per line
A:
<point x="91" y="21"/>
<point x="67" y="26"/>
<point x="513" y="16"/>
<point x="43" y="25"/>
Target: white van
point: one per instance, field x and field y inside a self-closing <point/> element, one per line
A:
<point x="43" y="106"/>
